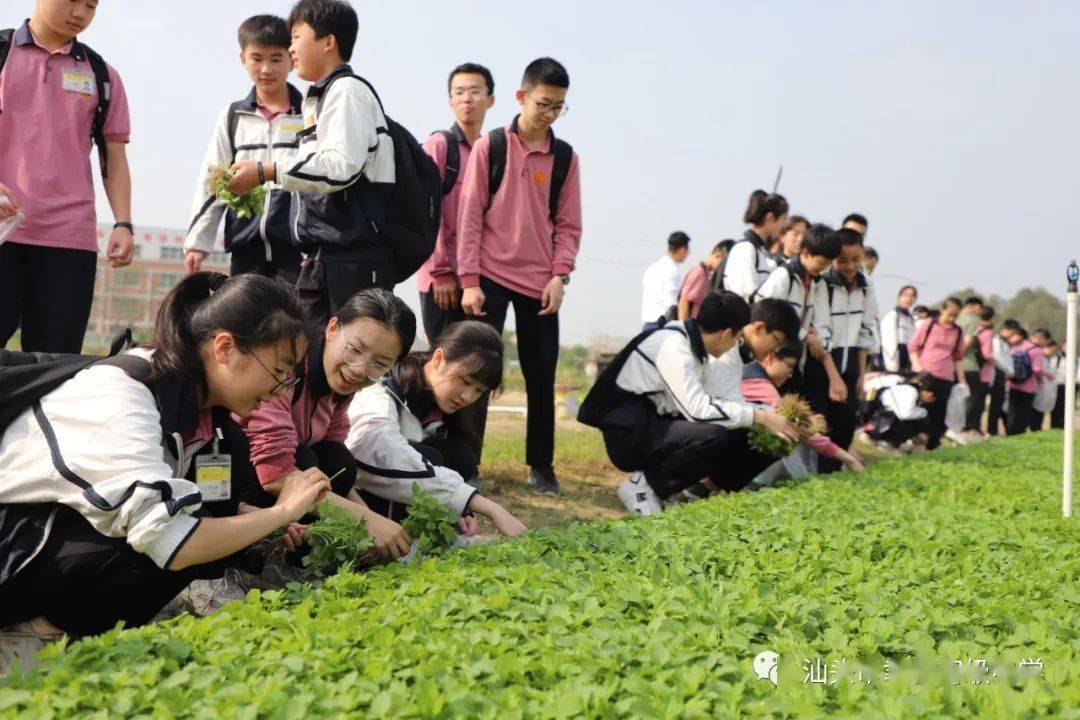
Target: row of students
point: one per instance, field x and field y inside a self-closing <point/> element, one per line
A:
<point x="107" y="486"/>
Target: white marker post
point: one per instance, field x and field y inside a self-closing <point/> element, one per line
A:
<point x="1073" y="274"/>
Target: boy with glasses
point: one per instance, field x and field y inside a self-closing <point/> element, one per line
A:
<point x="472" y="93"/>
<point x="519" y="229"/>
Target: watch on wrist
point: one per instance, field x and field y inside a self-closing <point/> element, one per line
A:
<point x="565" y="279"/>
<point x="124" y="224"/>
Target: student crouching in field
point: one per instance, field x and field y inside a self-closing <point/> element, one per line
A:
<point x="97" y="521"/>
<point x="408" y="430"/>
<point x="306" y="428"/>
<point x="670" y="405"/>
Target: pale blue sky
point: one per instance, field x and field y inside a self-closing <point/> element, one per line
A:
<point x="953" y="126"/>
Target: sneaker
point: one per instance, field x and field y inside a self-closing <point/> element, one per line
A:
<point x="208" y="596"/>
<point x="638" y="497"/>
<point x="543" y="480"/>
<point x="956" y="437"/>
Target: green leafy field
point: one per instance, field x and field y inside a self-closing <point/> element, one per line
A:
<point x="955" y="555"/>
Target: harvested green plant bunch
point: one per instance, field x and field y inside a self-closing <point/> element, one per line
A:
<point x="245" y="206"/>
<point x="431" y="524"/>
<point x="337" y="541"/>
<point x="798" y="412"/>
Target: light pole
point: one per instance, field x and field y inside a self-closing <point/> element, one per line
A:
<point x="1073" y="275"/>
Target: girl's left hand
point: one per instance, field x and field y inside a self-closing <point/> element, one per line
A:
<point x="296" y="536"/>
<point x="467" y="525"/>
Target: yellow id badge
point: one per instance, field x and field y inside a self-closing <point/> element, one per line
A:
<point x="213" y="475"/>
<point x="77" y="81"/>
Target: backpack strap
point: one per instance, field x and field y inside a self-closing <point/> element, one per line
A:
<point x="232" y="121"/>
<point x="6" y="36"/>
<point x="453" y="161"/>
<point x="496" y="161"/>
<point x="104" y="98"/>
<point x="564" y="153"/>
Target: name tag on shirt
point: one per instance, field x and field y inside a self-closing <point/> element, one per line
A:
<point x="77" y="81"/>
<point x="213" y="475"/>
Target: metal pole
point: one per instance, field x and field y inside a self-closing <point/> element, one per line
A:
<point x="1070" y="389"/>
<point x="776" y="183"/>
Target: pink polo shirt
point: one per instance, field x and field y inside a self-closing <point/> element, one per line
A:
<point x="695" y="287"/>
<point x="442" y="265"/>
<point x="1038" y="362"/>
<point x="45" y="151"/>
<point x="939" y="348"/>
<point x="514" y="242"/>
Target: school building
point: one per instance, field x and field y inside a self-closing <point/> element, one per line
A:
<point x="130" y="297"/>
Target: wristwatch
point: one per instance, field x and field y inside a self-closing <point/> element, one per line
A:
<point x="565" y="279"/>
<point x="123" y="224"/>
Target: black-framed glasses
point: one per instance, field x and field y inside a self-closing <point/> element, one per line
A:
<point x="359" y="356"/>
<point x="287" y="383"/>
<point x="557" y="109"/>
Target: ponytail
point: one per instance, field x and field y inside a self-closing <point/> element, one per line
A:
<point x="256" y="310"/>
<point x="761" y="204"/>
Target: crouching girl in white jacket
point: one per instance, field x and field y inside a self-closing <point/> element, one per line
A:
<point x="97" y="524"/>
<point x="405" y="430"/>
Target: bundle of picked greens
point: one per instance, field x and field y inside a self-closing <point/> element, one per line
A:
<point x="245" y="206"/>
<point x="431" y="524"/>
<point x="337" y="542"/>
<point x="796" y="411"/>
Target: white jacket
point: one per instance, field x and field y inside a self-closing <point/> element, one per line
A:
<point x="672" y="369"/>
<point x="747" y="266"/>
<point x="852" y="319"/>
<point x="381" y="430"/>
<point x="94" y="444"/>
<point x="787" y="283"/>
<point x="897" y="328"/>
<point x="659" y="288"/>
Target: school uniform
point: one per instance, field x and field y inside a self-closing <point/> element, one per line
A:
<point x="399" y="439"/>
<point x="897" y="329"/>
<point x="93" y="501"/>
<point x="1022" y="394"/>
<point x="303" y="429"/>
<point x="248" y="130"/>
<point x="695" y="287"/>
<point x="1057" y="366"/>
<point x="668" y="410"/>
<point x="341" y="177"/>
<point x="747" y="265"/>
<point x="660" y="291"/>
<point x="510" y="247"/>
<point x="757" y="387"/>
<point x="939" y="349"/>
<point x="48" y="265"/>
<point x="441" y="267"/>
<point x="852" y="328"/>
<point x="993" y="348"/>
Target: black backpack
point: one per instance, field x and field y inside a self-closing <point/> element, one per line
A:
<point x="26" y="377"/>
<point x="415" y="203"/>
<point x="453" y="161"/>
<point x="564" y="153"/>
<point x="716" y="280"/>
<point x="101" y="80"/>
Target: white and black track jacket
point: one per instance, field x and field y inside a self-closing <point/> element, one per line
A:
<point x="243" y="133"/>
<point x="747" y="266"/>
<point x="897" y="328"/>
<point x="852" y="320"/>
<point x="381" y="430"/>
<point x="787" y="282"/>
<point x="672" y="369"/>
<point x="95" y="445"/>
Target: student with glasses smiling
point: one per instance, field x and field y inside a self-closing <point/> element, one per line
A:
<point x="306" y="422"/>
<point x="518" y="235"/>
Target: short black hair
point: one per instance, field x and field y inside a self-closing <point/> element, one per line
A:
<point x="794" y="220"/>
<point x="849" y="237"/>
<point x="908" y="287"/>
<point x="1043" y="332"/>
<point x="268" y="30"/>
<point x="870" y="252"/>
<point x="778" y="316"/>
<point x="920" y="309"/>
<point x="823" y="241"/>
<point x="545" y="71"/>
<point x="472" y="69"/>
<point x="1016" y="327"/>
<point x="723" y="311"/>
<point x="951" y="300"/>
<point x="856" y="217"/>
<point x="974" y="300"/>
<point x="790" y="349"/>
<point x="328" y="17"/>
<point x="987" y="314"/>
<point x="725" y="245"/>
<point x="677" y="241"/>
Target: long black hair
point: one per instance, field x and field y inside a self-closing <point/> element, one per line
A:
<point x="257" y="311"/>
<point x="477" y="346"/>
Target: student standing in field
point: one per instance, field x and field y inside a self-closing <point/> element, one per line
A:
<point x="791" y="238"/>
<point x="969" y="320"/>
<point x="472" y="93"/>
<point x="670" y="405"/>
<point x="870" y="260"/>
<point x="1046" y="391"/>
<point x="661" y="282"/>
<point x="897" y="329"/>
<point x="936" y="349"/>
<point x="1023" y="381"/>
<point x="993" y="346"/>
<point x="263" y="126"/>
<point x="57" y="98"/>
<point x="343" y="172"/>
<point x="518" y="236"/>
<point x="695" y="285"/>
<point x="856" y="222"/>
<point x="102" y="495"/>
<point x="749" y="262"/>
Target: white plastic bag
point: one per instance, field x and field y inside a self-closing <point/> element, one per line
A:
<point x="956" y="411"/>
<point x="8" y="225"/>
<point x="1045" y="396"/>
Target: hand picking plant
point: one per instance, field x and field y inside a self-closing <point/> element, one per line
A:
<point x="430" y="523"/>
<point x="337" y="541"/>
<point x="798" y="412"/>
<point x="245" y="206"/>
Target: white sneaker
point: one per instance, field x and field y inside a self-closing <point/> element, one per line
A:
<point x="638" y="497"/>
<point x="956" y="437"/>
